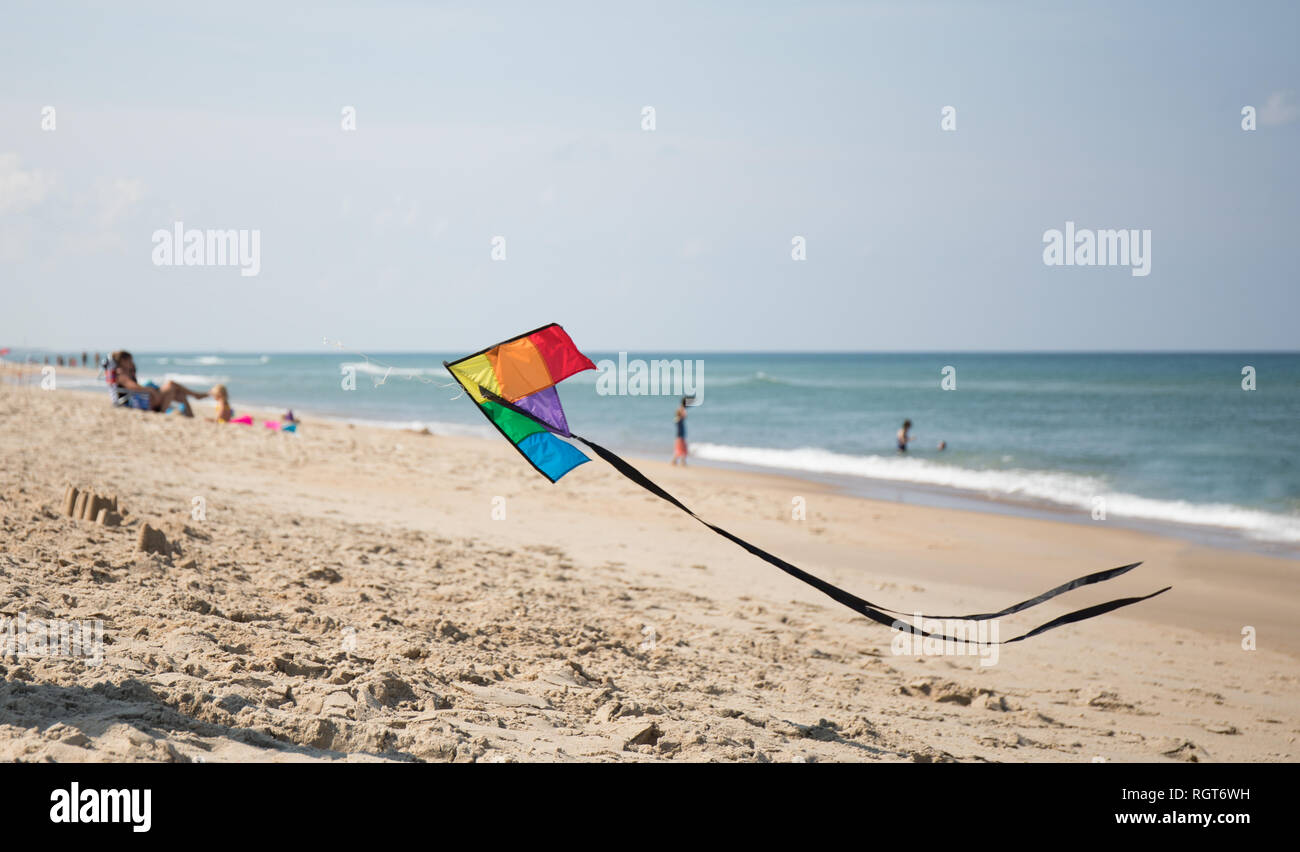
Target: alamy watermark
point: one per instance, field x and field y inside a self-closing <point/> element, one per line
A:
<point x="965" y="638"/>
<point x="55" y="637"/>
<point x="212" y="247"/>
<point x="657" y="377"/>
<point x="132" y="806"/>
<point x="1085" y="247"/>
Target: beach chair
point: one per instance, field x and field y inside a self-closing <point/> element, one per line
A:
<point x="122" y="398"/>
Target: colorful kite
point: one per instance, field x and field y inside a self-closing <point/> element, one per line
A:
<point x="514" y="386"/>
<point x="514" y="382"/>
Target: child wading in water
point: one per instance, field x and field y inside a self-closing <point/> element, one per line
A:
<point x="679" y="446"/>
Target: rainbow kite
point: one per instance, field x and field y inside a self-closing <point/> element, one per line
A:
<point x="514" y="386"/>
<point x="514" y="382"/>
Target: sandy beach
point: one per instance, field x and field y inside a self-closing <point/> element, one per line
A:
<point x="354" y="593"/>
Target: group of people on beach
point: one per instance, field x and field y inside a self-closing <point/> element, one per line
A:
<point x="120" y="372"/>
<point x="71" y="360"/>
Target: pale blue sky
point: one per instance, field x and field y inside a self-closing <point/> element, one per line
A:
<point x="773" y="120"/>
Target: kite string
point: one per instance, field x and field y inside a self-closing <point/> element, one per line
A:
<point x="875" y="612"/>
<point x="389" y="368"/>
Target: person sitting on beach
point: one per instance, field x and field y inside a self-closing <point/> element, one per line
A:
<point x="679" y="446"/>
<point x="224" y="411"/>
<point x="903" y="437"/>
<point x="160" y="398"/>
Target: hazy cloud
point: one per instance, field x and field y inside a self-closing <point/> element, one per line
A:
<point x="1279" y="109"/>
<point x="21" y="189"/>
<point x="83" y="221"/>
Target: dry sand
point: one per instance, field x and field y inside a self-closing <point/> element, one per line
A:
<point x="348" y="595"/>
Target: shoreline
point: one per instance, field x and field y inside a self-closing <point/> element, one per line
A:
<point x="961" y="499"/>
<point x="892" y="491"/>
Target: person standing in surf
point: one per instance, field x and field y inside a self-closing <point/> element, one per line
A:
<point x="679" y="446"/>
<point x="903" y="437"/>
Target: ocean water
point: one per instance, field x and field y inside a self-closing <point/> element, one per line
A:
<point x="1168" y="439"/>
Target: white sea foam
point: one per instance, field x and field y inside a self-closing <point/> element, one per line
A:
<point x="1065" y="489"/>
<point x="372" y="369"/>
<point x="195" y="381"/>
<point x="215" y="360"/>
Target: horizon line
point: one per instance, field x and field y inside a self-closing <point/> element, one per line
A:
<point x="325" y="350"/>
